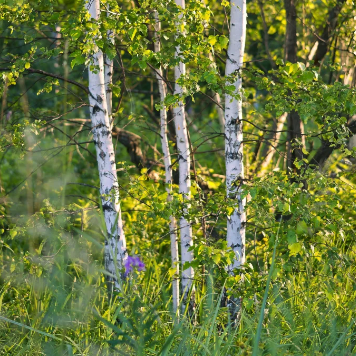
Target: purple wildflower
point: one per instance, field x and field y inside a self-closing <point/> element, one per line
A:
<point x="132" y="263"/>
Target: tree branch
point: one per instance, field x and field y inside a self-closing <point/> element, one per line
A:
<point x="56" y="76"/>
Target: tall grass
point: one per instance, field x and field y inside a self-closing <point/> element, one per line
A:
<point x="54" y="301"/>
<point x="70" y="314"/>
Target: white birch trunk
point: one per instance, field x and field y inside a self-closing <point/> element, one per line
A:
<point x="108" y="74"/>
<point x="109" y="67"/>
<point x="186" y="239"/>
<point x="115" y="244"/>
<point x="233" y="134"/>
<point x="162" y="88"/>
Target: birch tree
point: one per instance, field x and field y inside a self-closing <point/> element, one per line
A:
<point x="115" y="244"/>
<point x="233" y="134"/>
<point x="162" y="88"/>
<point x="184" y="171"/>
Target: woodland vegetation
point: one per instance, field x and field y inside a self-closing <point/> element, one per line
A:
<point x="177" y="177"/>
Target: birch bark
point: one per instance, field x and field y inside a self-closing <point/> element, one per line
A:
<point x="115" y="244"/>
<point x="109" y="67"/>
<point x="233" y="134"/>
<point x="162" y="88"/>
<point x="108" y="74"/>
<point x="233" y="144"/>
<point x="186" y="239"/>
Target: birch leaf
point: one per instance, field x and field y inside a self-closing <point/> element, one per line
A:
<point x="216" y="258"/>
<point x="302" y="228"/>
<point x="295" y="248"/>
<point x="212" y="40"/>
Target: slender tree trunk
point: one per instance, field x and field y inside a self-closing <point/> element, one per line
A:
<point x="220" y="111"/>
<point x="115" y="244"/>
<point x="323" y="42"/>
<point x="233" y="142"/>
<point x="268" y="157"/>
<point x="295" y="130"/>
<point x="162" y="88"/>
<point x="184" y="174"/>
<point x="295" y="125"/>
<point x="265" y="34"/>
<point x="217" y="98"/>
<point x="291" y="31"/>
<point x="3" y="103"/>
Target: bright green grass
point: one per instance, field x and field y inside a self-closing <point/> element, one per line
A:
<point x="67" y="314"/>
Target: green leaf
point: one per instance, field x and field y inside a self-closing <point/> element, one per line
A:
<point x="286" y="208"/>
<point x="253" y="193"/>
<point x="291" y="237"/>
<point x="212" y="40"/>
<point x="210" y="77"/>
<point x="293" y="68"/>
<point x="307" y="77"/>
<point x="172" y="272"/>
<point x="142" y="64"/>
<point x="110" y="52"/>
<point x="170" y="99"/>
<point x="216" y="258"/>
<point x="295" y="248"/>
<point x="223" y="41"/>
<point x="13" y="233"/>
<point x="316" y="222"/>
<point x="12" y="267"/>
<point x="298" y="163"/>
<point x="186" y="265"/>
<point x="132" y="32"/>
<point x="272" y="30"/>
<point x="77" y="60"/>
<point x="302" y="228"/>
<point x="75" y="34"/>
